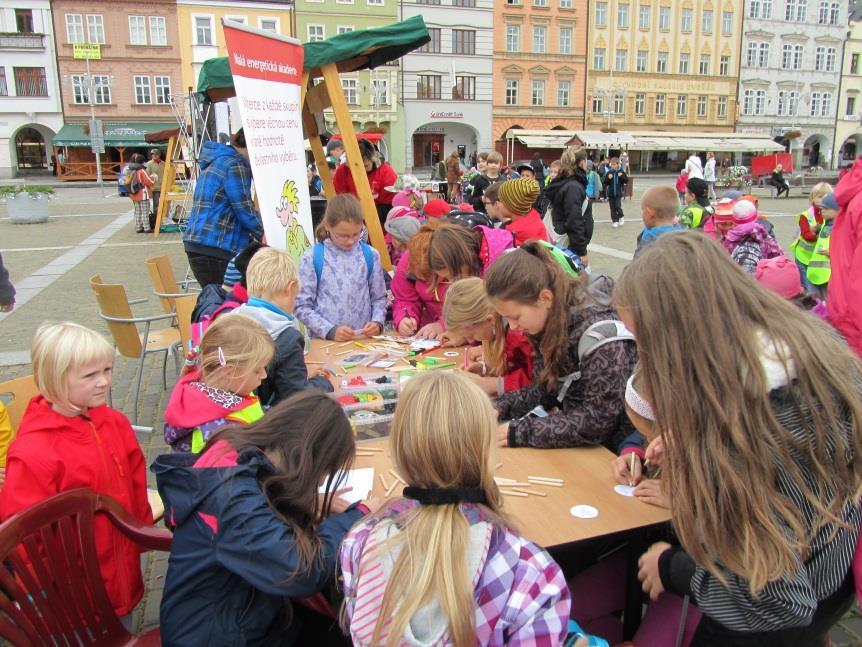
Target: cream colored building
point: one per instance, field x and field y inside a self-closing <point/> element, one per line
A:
<point x="848" y="126"/>
<point x="663" y="65"/>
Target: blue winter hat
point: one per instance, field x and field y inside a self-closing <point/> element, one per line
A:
<point x="829" y="202"/>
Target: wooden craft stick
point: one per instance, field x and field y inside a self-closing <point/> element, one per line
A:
<point x="390" y="488"/>
<point x="325" y="346"/>
<point x="500" y="480"/>
<point x="345" y="345"/>
<point x="308" y="361"/>
<point x="545" y="483"/>
<point x="345" y="352"/>
<point x="498" y="466"/>
<point x="383" y="482"/>
<point x="530" y="492"/>
<point x="395" y="474"/>
<point x="365" y="454"/>
<point x="363" y="448"/>
<point x="548" y="479"/>
<point x="516" y="484"/>
<point x="631" y="467"/>
<point x="514" y="493"/>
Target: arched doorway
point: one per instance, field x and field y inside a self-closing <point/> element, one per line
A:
<point x="30" y="149"/>
<point x="814" y="152"/>
<point x="432" y="142"/>
<point x="850" y="149"/>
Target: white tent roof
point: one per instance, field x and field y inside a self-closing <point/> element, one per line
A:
<point x="541" y="138"/>
<point x="598" y="139"/>
<point x="718" y="142"/>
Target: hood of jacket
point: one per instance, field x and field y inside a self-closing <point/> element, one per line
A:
<point x="190" y="406"/>
<point x="850" y="185"/>
<point x="39" y="416"/>
<point x="273" y="322"/>
<point x="559" y="182"/>
<point x="212" y="151"/>
<point x="186" y="480"/>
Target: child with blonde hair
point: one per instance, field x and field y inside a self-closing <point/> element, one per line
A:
<point x="808" y="225"/>
<point x="343" y="292"/>
<point x="69" y="438"/>
<point x="273" y="286"/>
<point x="504" y="359"/>
<point x="233" y="357"/>
<point x="443" y="444"/>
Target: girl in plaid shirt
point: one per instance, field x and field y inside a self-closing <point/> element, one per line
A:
<point x="478" y="581"/>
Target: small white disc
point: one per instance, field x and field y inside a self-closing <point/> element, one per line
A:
<point x="451" y="353"/>
<point x="584" y="512"/>
<point x="625" y="490"/>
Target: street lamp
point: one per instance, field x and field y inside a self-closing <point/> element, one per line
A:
<point x="610" y="95"/>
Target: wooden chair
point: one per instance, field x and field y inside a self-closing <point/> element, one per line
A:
<point x="51" y="588"/>
<point x="185" y="306"/>
<point x="21" y="391"/>
<point x="115" y="308"/>
<point x="164" y="281"/>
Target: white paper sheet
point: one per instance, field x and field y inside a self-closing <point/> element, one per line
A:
<point x="361" y="480"/>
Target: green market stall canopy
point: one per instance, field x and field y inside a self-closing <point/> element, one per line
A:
<point x="352" y="51"/>
<point x="131" y="133"/>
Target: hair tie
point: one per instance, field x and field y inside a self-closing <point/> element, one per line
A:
<point x="637" y="403"/>
<point x="444" y="496"/>
<point x="221" y="360"/>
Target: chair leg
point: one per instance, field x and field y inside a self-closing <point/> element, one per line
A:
<point x="176" y="351"/>
<point x="138" y="377"/>
<point x="165" y="369"/>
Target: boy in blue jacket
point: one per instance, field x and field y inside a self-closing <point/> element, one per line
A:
<point x="272" y="281"/>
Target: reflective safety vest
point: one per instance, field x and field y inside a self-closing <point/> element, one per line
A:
<point x="819" y="266"/>
<point x="694" y="216"/>
<point x="801" y="247"/>
<point x="245" y="416"/>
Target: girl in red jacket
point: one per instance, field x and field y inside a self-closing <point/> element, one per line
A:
<point x="69" y="438"/>
<point x="504" y="361"/>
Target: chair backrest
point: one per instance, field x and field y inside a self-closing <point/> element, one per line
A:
<point x="163" y="278"/>
<point x="21" y="390"/>
<point x="113" y="302"/>
<point x="184" y="308"/>
<point x="51" y="588"/>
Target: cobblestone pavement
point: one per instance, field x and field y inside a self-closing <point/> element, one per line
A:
<point x="87" y="234"/>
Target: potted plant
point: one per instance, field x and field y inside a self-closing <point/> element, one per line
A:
<point x="736" y="177"/>
<point x="27" y="203"/>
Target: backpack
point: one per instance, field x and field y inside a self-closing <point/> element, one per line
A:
<point x="592" y="185"/>
<point x="594" y="337"/>
<point x="135" y="186"/>
<point x="317" y="260"/>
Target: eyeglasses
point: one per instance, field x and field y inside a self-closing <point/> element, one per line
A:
<point x="343" y="238"/>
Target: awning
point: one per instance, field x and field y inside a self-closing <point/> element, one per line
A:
<point x="599" y="139"/>
<point x="717" y="142"/>
<point x="543" y="141"/>
<point x="116" y="133"/>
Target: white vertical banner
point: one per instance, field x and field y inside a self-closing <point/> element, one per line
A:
<point x="267" y="76"/>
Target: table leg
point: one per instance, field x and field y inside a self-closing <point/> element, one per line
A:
<point x="633" y="609"/>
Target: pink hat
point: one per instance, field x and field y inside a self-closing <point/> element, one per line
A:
<point x="780" y="275"/>
<point x="744" y="212"/>
<point x="402" y="198"/>
<point x="398" y="211"/>
<point x="724" y="210"/>
<point x="436" y="208"/>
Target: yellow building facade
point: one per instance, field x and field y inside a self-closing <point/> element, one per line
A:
<point x="201" y="36"/>
<point x="655" y="65"/>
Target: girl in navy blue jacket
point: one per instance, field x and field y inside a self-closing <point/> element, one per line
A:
<point x="250" y="527"/>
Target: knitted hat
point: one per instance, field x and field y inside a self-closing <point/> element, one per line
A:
<point x="636" y="401"/>
<point x="724" y="210"/>
<point x="744" y="212"/>
<point x="402" y="198"/>
<point x="402" y="228"/>
<point x="780" y="275"/>
<point x="829" y="202"/>
<point x="732" y="194"/>
<point x="524" y="166"/>
<point x="436" y="208"/>
<point x="399" y="211"/>
<point x="519" y="195"/>
<point x="697" y="187"/>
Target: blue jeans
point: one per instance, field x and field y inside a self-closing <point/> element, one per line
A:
<point x="803" y="276"/>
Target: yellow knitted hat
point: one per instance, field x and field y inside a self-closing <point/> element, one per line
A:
<point x="519" y="195"/>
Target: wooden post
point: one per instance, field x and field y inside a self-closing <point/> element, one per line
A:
<point x="354" y="161"/>
<point x="166" y="184"/>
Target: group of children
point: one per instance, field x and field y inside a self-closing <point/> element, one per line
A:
<point x="760" y="470"/>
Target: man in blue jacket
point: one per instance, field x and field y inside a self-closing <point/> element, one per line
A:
<point x="223" y="219"/>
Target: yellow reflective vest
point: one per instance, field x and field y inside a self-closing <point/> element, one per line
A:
<point x="819" y="267"/>
<point x="801" y="247"/>
<point x="245" y="416"/>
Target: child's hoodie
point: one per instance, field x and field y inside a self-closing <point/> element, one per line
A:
<point x="196" y="411"/>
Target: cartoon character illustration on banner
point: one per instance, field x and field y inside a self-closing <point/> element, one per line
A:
<point x="296" y="240"/>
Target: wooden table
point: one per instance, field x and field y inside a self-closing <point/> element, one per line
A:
<point x="586" y="474"/>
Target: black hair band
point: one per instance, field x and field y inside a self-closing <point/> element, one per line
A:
<point x="444" y="496"/>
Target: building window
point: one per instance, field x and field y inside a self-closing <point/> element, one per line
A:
<point x="849" y="110"/>
<point x="598" y="105"/>
<point x="378" y="3"/>
<point x="465" y="88"/>
<point x="565" y="40"/>
<point x="564" y="93"/>
<point x="724" y="65"/>
<point x="659" y="105"/>
<point x="204" y="30"/>
<point x="380" y="91"/>
<point x="513" y="38"/>
<point x="831" y="54"/>
<point x="821" y="104"/>
<point x="641" y="60"/>
<point x="619" y="104"/>
<point x="757" y="54"/>
<point x="760" y="9"/>
<point x="622" y="60"/>
<point x="30" y="82"/>
<point x="428" y="86"/>
<point x="828" y="13"/>
<point x="537" y="96"/>
<point x="540" y="3"/>
<point x="95" y="29"/>
<point x="74" y="28"/>
<point x="753" y="102"/>
<point x="511" y="92"/>
<point x="80" y="89"/>
<point x="428" y="1"/>
<point x="834" y="11"/>
<point x="539" y="38"/>
<point x="601" y="14"/>
<point x="463" y="41"/>
<point x="640" y="104"/>
<point x="349" y="88"/>
<point x="683" y="63"/>
<point x="681" y="105"/>
<point x="854" y="63"/>
<point x="661" y="62"/>
<point x="706" y="21"/>
<point x="796" y="10"/>
<point x="599" y="58"/>
<point x="791" y="57"/>
<point x="163" y="89"/>
<point x="721" y="111"/>
<point x="316" y="33"/>
<point x="343" y="29"/>
<point x="726" y="22"/>
<point x="685" y="21"/>
<point x="158" y="31"/>
<point x="701" y="106"/>
<point x="566" y="4"/>
<point x="433" y="45"/>
<point x="4" y="89"/>
<point x="704" y="64"/>
<point x="787" y="103"/>
<point x="138" y="30"/>
<point x="644" y="16"/>
<point x="143" y="93"/>
<point x="102" y="89"/>
<point x="24" y="21"/>
<point x="271" y="24"/>
<point x="664" y="18"/>
<point x="623" y="16"/>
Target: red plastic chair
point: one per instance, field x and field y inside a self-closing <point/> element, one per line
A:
<point x="59" y="598"/>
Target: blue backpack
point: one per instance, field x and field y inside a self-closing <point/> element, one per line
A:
<point x="317" y="260"/>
